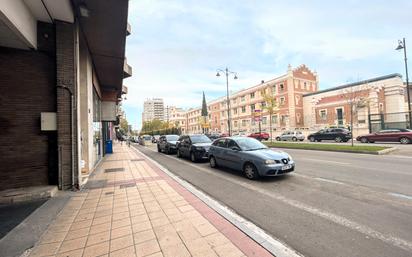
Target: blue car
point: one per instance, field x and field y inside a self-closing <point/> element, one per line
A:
<point x="250" y="156"/>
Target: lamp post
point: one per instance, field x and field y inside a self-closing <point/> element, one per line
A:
<point x="402" y="45"/>
<point x="227" y="72"/>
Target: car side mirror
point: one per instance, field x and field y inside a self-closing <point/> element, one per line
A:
<point x="235" y="148"/>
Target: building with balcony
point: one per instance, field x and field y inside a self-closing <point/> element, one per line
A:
<point x="62" y="65"/>
<point x="153" y="109"/>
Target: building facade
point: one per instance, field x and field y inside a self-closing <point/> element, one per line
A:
<point x="61" y="73"/>
<point x="153" y="109"/>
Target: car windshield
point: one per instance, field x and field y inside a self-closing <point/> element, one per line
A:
<point x="200" y="139"/>
<point x="249" y="144"/>
<point x="172" y="138"/>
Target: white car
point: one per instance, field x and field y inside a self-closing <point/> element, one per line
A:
<point x="291" y="135"/>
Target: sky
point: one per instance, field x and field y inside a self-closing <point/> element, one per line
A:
<point x="176" y="46"/>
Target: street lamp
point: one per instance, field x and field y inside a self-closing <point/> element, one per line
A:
<point x="227" y="72"/>
<point x="402" y="45"/>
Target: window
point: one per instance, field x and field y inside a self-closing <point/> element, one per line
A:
<point x="235" y="111"/>
<point x="264" y="120"/>
<point x="263" y="104"/>
<point x="274" y="119"/>
<point x="297" y="99"/>
<point x="252" y="121"/>
<point x="235" y="123"/>
<point x="274" y="89"/>
<point x="220" y="143"/>
<point x="242" y="98"/>
<point x="323" y="114"/>
<point x="232" y="144"/>
<point x="243" y="109"/>
<point x="252" y="95"/>
<point x="282" y="100"/>
<point x="281" y="87"/>
<point x="252" y="107"/>
<point x="243" y="123"/>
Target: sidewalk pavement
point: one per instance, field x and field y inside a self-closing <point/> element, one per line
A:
<point x="131" y="208"/>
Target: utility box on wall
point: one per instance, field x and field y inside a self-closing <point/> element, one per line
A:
<point x="48" y="121"/>
<point x="109" y="110"/>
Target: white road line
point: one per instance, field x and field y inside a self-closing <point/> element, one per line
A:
<point x="274" y="246"/>
<point x="319" y="160"/>
<point x="392" y="240"/>
<point x="330" y="181"/>
<point x="401" y="196"/>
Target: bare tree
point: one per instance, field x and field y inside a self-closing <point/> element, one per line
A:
<point x="271" y="107"/>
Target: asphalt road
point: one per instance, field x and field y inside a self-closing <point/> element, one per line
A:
<point x="334" y="204"/>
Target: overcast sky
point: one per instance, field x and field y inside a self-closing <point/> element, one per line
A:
<point x="177" y="45"/>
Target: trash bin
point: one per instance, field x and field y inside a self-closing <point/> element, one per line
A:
<point x="109" y="146"/>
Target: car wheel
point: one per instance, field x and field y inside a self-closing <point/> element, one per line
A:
<point x="250" y="171"/>
<point x="158" y="149"/>
<point x="318" y="140"/>
<point x="404" y="140"/>
<point x="212" y="162"/>
<point x="179" y="154"/>
<point x="193" y="157"/>
<point x="294" y="139"/>
<point x="338" y="139"/>
<point x="364" y="140"/>
<point x="311" y="139"/>
<point x="167" y="150"/>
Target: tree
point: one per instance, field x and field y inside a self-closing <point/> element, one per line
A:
<point x="204" y="114"/>
<point x="271" y="107"/>
<point x="124" y="126"/>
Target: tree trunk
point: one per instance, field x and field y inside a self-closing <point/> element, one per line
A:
<point x="270" y="127"/>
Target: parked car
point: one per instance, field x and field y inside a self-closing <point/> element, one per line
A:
<point x="404" y="136"/>
<point x="337" y="134"/>
<point x="250" y="156"/>
<point x="213" y="136"/>
<point x="291" y="135"/>
<point x="260" y="136"/>
<point x="145" y="140"/>
<point x="167" y="143"/>
<point x="196" y="147"/>
<point x="155" y="138"/>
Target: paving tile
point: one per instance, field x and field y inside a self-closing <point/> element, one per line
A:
<point x="98" y="238"/>
<point x="69" y="245"/>
<point x="186" y="208"/>
<point x="168" y="238"/>
<point x="45" y="249"/>
<point x="139" y="218"/>
<point x="189" y="234"/>
<point x="100" y="228"/>
<point x="141" y="226"/>
<point x="84" y="216"/>
<point x="96" y="250"/>
<point x="206" y="229"/>
<point x="227" y="250"/>
<point x="160" y="222"/>
<point x="144" y="236"/>
<point x="147" y="248"/>
<point x="158" y="254"/>
<point x="121" y="215"/>
<point x="121" y="223"/>
<point x="121" y="242"/>
<point x="53" y="237"/>
<point x="101" y="220"/>
<point x="81" y="224"/>
<point x="125" y="252"/>
<point x="175" y="250"/>
<point x="74" y="253"/>
<point x="208" y="253"/>
<point x="120" y="232"/>
<point x="73" y="234"/>
<point x="216" y="239"/>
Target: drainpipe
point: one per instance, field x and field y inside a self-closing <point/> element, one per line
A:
<point x="71" y="130"/>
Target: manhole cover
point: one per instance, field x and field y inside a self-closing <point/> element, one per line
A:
<point x="114" y="170"/>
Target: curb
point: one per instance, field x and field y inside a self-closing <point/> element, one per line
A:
<point x="272" y="245"/>
<point x="386" y="151"/>
<point x="381" y="152"/>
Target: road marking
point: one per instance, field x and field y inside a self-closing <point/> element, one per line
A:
<point x="318" y="160"/>
<point x="395" y="241"/>
<point x="274" y="246"/>
<point x="401" y="196"/>
<point x="330" y="181"/>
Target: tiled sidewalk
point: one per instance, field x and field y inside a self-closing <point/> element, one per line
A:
<point x="132" y="208"/>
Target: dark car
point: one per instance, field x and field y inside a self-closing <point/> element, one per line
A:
<point x="337" y="134"/>
<point x="167" y="144"/>
<point x="213" y="136"/>
<point x="260" y="136"/>
<point x="196" y="147"/>
<point x="404" y="136"/>
<point x="250" y="156"/>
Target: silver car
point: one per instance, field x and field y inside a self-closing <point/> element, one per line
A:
<point x="250" y="156"/>
<point x="291" y="136"/>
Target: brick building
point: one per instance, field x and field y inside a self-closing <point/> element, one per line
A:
<point x="62" y="66"/>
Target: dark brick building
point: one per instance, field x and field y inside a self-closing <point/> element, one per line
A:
<point x="62" y="65"/>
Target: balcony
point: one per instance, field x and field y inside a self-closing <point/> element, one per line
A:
<point x="127" y="69"/>
<point x="124" y="90"/>
<point x="128" y="29"/>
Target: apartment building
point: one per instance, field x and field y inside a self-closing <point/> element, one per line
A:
<point x="153" y="109"/>
<point x="62" y="65"/>
<point x="176" y="117"/>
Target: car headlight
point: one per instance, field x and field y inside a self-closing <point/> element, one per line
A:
<point x="267" y="162"/>
<point x="290" y="158"/>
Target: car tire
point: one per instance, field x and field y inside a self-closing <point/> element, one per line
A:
<point x="277" y="138"/>
<point x="364" y="140"/>
<point x="338" y="139"/>
<point x="193" y="157"/>
<point x="167" y="150"/>
<point x="294" y="139"/>
<point x="158" y="149"/>
<point x="311" y="139"/>
<point x="250" y="171"/>
<point x="404" y="140"/>
<point x="212" y="162"/>
<point x="178" y="153"/>
<point x="301" y="140"/>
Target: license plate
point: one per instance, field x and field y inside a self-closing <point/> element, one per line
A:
<point x="286" y="167"/>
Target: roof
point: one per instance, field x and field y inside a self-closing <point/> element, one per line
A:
<point x="394" y="75"/>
